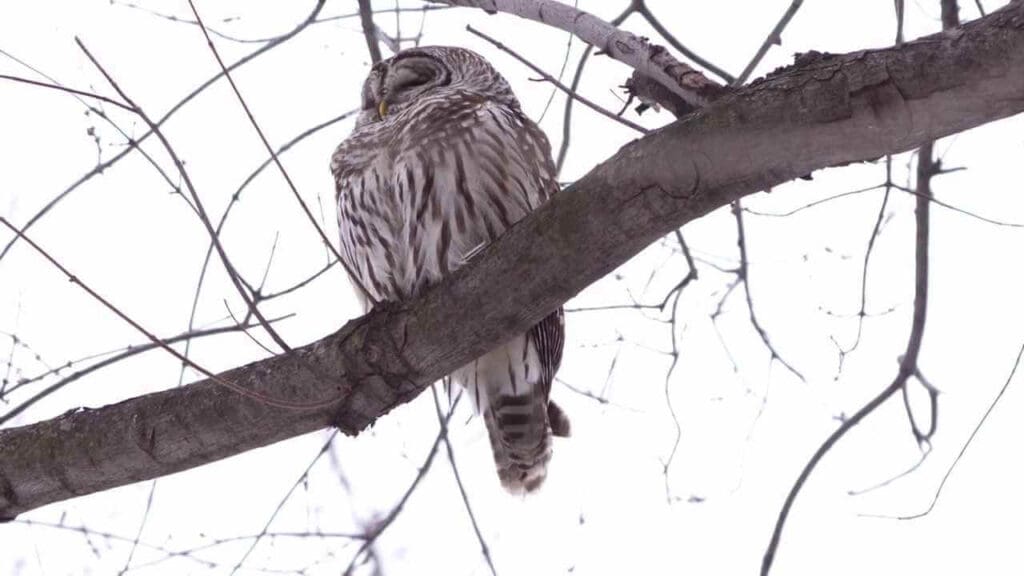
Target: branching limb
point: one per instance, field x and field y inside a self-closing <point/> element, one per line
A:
<point x="133" y="144"/>
<point x="549" y="78"/>
<point x="774" y="39"/>
<point x="114" y="359"/>
<point x="641" y="7"/>
<point x="232" y="272"/>
<point x="384" y="524"/>
<point x="60" y="88"/>
<point x="908" y="363"/>
<point x="443" y="422"/>
<point x="563" y="148"/>
<point x="977" y="428"/>
<point x="743" y="274"/>
<point x="637" y="53"/>
<point x="298" y="482"/>
<point x="270" y="149"/>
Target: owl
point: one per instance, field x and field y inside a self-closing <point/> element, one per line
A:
<point x="442" y="160"/>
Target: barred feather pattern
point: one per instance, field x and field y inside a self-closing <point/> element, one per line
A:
<point x="441" y="162"/>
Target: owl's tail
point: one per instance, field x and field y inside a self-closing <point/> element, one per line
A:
<point x="520" y="429"/>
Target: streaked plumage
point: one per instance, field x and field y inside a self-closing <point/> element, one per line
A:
<point x="441" y="162"/>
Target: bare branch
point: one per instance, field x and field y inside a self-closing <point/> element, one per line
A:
<point x="908" y="363"/>
<point x="637" y="53"/>
<point x="974" y="432"/>
<point x="563" y="148"/>
<point x="232" y="273"/>
<point x="549" y="78"/>
<point x="384" y="524"/>
<point x="277" y="161"/>
<point x="99" y="97"/>
<point x="900" y="10"/>
<point x="152" y="338"/>
<point x="133" y="144"/>
<point x="369" y="29"/>
<point x="277" y="509"/>
<point x="774" y="39"/>
<point x="443" y="422"/>
<point x="126" y="353"/>
<point x="643" y="10"/>
<point x="743" y="272"/>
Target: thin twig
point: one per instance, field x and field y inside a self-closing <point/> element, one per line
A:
<point x="900" y="10"/>
<point x="774" y="39"/>
<point x="862" y="312"/>
<point x="561" y="72"/>
<point x="743" y="273"/>
<point x="259" y="396"/>
<point x="232" y="272"/>
<point x="633" y="51"/>
<point x="984" y="418"/>
<point x="127" y="353"/>
<point x="889" y="184"/>
<point x="369" y="29"/>
<point x="266" y="143"/>
<point x="846" y="426"/>
<point x="298" y="482"/>
<point x="235" y="198"/>
<point x="563" y="147"/>
<point x="99" y="97"/>
<point x="569" y="91"/>
<point x="458" y="480"/>
<point x="106" y="118"/>
<point x="400" y="505"/>
<point x="643" y="10"/>
<point x="133" y="144"/>
<point x="913" y="468"/>
<point x="908" y="363"/>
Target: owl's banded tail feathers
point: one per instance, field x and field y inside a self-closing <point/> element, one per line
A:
<point x="520" y="429"/>
<point x="510" y="386"/>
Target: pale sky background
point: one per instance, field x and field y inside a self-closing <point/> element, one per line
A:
<point x="607" y="507"/>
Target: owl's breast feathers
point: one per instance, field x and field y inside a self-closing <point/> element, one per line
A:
<point x="429" y="184"/>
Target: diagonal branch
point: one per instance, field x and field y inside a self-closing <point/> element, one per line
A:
<point x="369" y="30"/>
<point x="134" y="144"/>
<point x="549" y="78"/>
<point x="826" y="111"/>
<point x="774" y="39"/>
<point x="633" y="51"/>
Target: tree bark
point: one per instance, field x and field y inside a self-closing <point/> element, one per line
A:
<point x="826" y="110"/>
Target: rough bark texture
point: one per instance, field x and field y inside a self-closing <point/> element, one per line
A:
<point x="826" y="110"/>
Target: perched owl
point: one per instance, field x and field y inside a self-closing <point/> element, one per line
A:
<point x="441" y="162"/>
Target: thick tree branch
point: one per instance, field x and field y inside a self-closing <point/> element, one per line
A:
<point x="825" y="111"/>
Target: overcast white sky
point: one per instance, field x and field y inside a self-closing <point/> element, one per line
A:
<point x="607" y="507"/>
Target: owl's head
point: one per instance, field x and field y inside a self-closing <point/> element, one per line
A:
<point x="428" y="73"/>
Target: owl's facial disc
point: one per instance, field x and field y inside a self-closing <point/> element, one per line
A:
<point x="408" y="77"/>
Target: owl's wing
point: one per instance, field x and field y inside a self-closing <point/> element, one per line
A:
<point x="548" y="338"/>
<point x="351" y="167"/>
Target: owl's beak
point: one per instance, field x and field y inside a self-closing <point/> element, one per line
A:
<point x="382" y="109"/>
